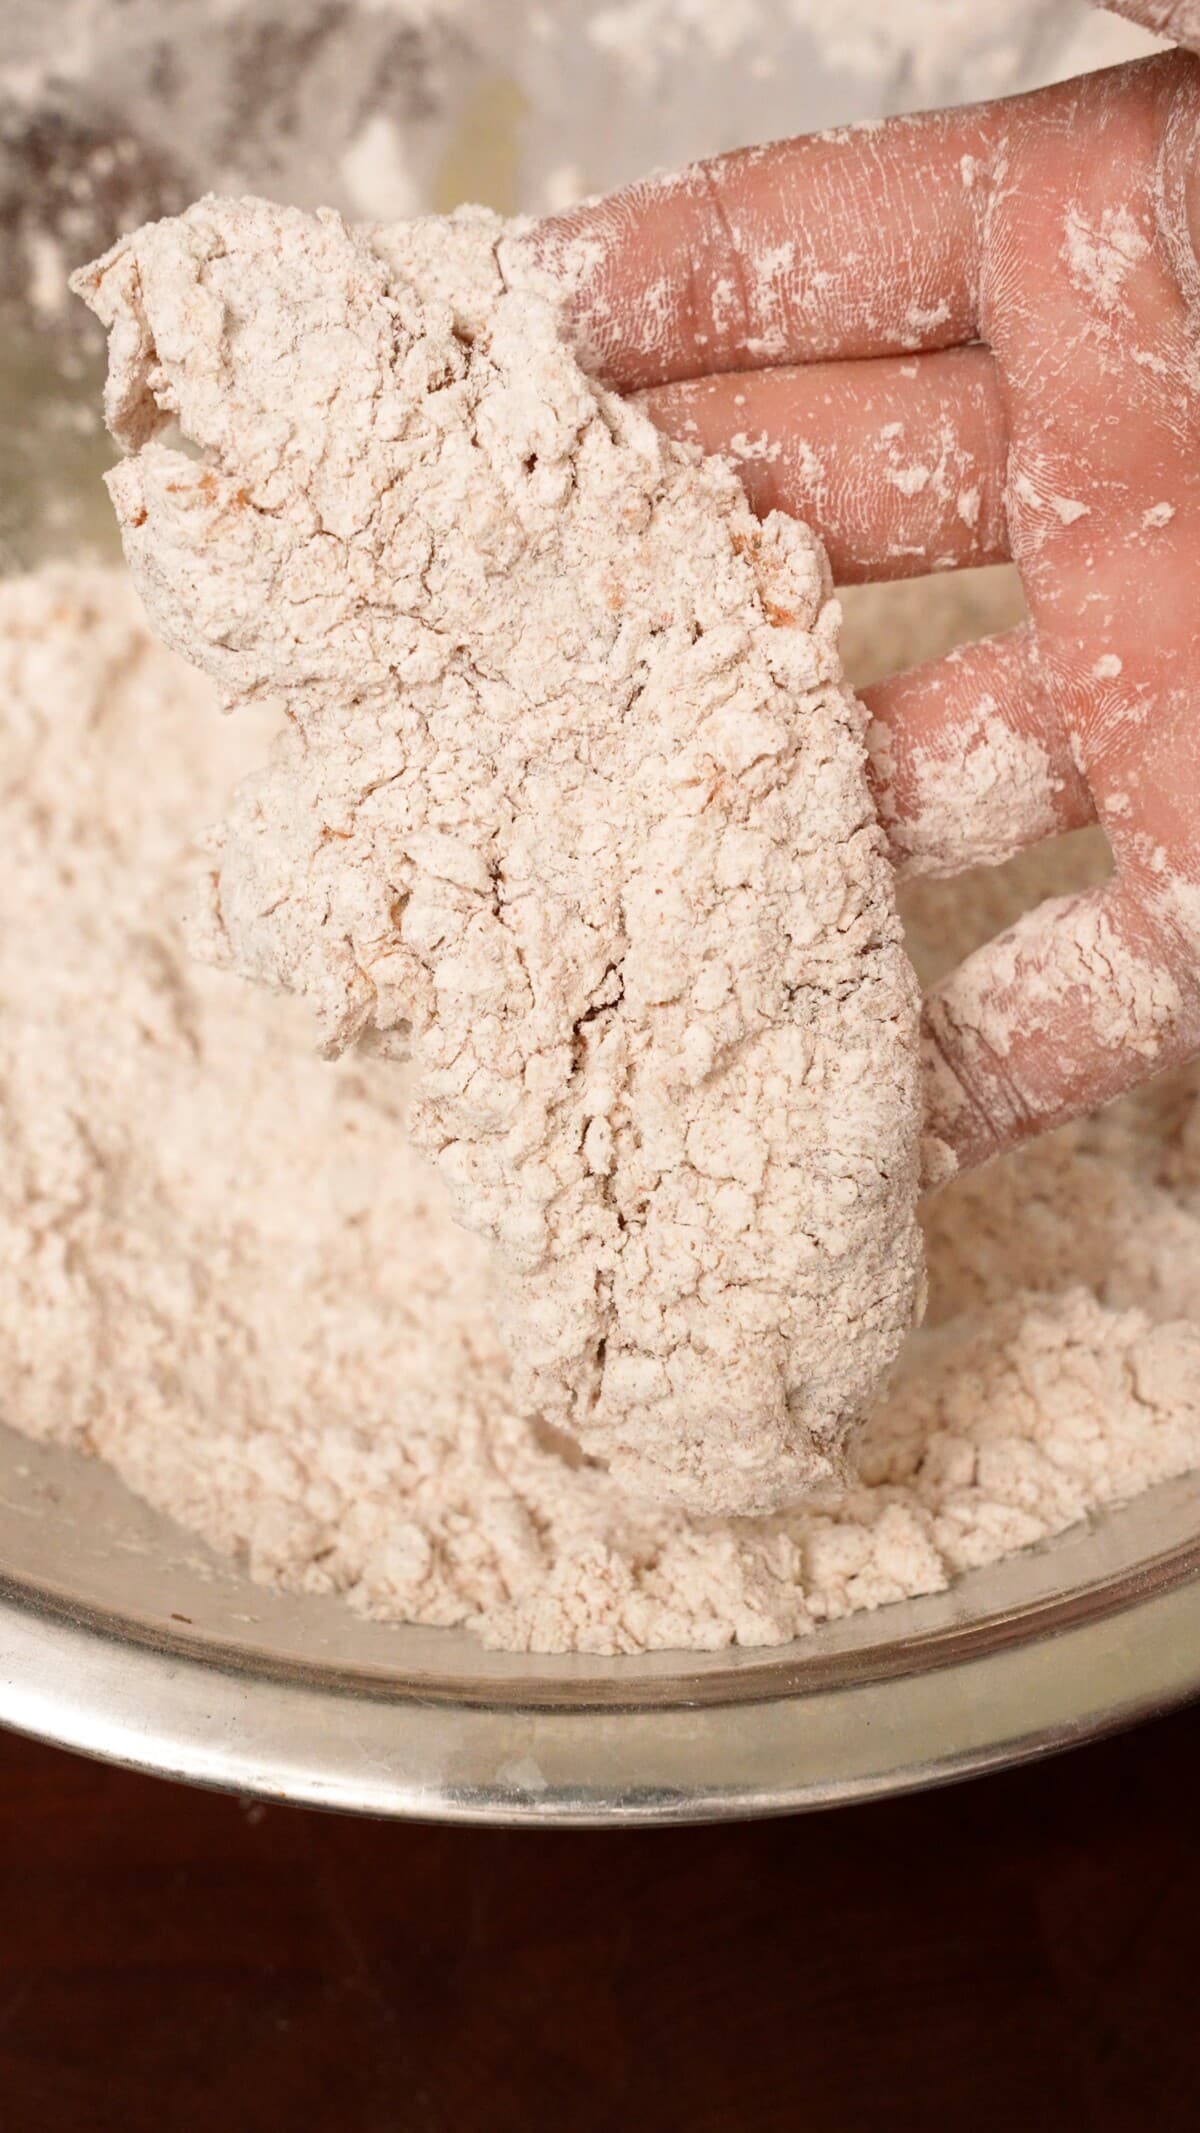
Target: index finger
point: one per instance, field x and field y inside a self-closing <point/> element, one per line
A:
<point x="861" y="242"/>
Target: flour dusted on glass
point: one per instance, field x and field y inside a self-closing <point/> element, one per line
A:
<point x="573" y="801"/>
<point x="934" y="47"/>
<point x="228" y="1274"/>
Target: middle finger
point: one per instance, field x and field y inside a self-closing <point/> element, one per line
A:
<point x="898" y="463"/>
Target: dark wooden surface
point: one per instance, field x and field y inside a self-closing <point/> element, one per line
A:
<point x="1016" y="1953"/>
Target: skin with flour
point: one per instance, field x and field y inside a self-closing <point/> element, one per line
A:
<point x="573" y="801"/>
<point x="955" y="339"/>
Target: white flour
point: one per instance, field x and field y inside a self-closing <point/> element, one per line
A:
<point x="573" y="801"/>
<point x="227" y="1275"/>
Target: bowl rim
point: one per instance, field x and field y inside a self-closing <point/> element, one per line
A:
<point x="795" y="1735"/>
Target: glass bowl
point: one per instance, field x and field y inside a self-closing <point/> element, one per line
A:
<point x="119" y="1634"/>
<point x="122" y="1637"/>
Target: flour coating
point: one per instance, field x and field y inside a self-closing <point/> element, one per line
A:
<point x="572" y="803"/>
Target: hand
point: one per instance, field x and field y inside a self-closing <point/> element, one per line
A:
<point x="946" y="341"/>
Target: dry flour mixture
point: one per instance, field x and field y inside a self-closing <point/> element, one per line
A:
<point x="547" y="774"/>
<point x="226" y="1272"/>
<point x="571" y="802"/>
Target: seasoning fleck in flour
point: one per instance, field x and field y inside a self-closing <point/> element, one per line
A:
<point x="229" y="1275"/>
<point x="572" y="800"/>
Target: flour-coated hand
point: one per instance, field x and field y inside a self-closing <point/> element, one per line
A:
<point x="950" y="340"/>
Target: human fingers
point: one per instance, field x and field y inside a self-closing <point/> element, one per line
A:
<point x="860" y="242"/>
<point x="970" y="760"/>
<point x="1087" y="996"/>
<point x="1081" y="1000"/>
<point x="898" y="464"/>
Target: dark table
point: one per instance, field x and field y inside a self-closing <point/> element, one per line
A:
<point x="1015" y="1953"/>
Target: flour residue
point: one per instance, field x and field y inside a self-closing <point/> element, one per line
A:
<point x="982" y="793"/>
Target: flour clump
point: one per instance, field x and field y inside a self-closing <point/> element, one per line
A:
<point x="570" y="804"/>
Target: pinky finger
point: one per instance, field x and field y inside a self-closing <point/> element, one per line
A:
<point x="1077" y="1003"/>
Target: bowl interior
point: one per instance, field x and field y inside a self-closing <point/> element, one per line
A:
<point x="75" y="1542"/>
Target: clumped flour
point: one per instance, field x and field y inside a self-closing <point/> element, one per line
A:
<point x="572" y="803"/>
